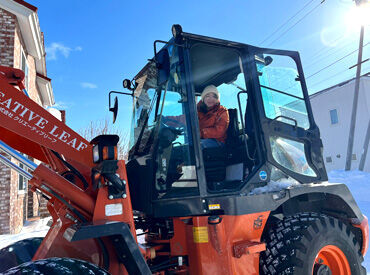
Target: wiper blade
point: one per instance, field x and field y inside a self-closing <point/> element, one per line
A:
<point x="237" y="86"/>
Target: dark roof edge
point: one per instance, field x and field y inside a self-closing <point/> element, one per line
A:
<point x="43" y="76"/>
<point x="338" y="85"/>
<point x="27" y="5"/>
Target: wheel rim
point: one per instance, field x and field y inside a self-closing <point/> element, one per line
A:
<point x="334" y="258"/>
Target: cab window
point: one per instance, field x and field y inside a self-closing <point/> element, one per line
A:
<point x="282" y="91"/>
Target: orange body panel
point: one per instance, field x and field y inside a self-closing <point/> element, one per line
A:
<point x="126" y="216"/>
<point x="102" y="200"/>
<point x="54" y="244"/>
<point x="364" y="226"/>
<point x="211" y="247"/>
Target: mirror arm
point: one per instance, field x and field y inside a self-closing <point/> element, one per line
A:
<point x="122" y="93"/>
<point x="164" y="42"/>
<point x="155" y="47"/>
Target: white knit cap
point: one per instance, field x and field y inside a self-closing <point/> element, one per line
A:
<point x="210" y="89"/>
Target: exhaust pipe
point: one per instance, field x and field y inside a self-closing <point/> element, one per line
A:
<point x="13" y="153"/>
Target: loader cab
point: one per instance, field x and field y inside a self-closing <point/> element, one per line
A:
<point x="271" y="134"/>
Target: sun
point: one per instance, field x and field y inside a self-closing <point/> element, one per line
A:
<point x="358" y="16"/>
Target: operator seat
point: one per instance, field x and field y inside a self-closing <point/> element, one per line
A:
<point x="216" y="159"/>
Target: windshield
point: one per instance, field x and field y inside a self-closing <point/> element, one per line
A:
<point x="145" y="95"/>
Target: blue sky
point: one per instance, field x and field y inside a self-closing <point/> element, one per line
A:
<point x="93" y="45"/>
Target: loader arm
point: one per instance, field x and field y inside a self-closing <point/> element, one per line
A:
<point x="30" y="129"/>
<point x="80" y="193"/>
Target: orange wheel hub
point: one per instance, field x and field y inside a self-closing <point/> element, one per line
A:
<point x="331" y="260"/>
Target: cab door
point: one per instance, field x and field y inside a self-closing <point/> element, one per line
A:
<point x="291" y="137"/>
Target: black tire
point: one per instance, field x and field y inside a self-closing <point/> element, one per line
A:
<point x="57" y="266"/>
<point x="18" y="253"/>
<point x="293" y="243"/>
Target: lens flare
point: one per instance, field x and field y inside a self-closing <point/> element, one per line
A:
<point x="333" y="35"/>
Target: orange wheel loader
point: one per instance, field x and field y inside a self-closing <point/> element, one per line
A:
<point x="258" y="204"/>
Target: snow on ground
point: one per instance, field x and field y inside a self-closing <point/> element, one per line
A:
<point x="32" y="229"/>
<point x="358" y="182"/>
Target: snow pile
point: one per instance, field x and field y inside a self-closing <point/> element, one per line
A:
<point x="358" y="182"/>
<point x="274" y="186"/>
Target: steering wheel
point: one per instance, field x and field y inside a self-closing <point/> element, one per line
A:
<point x="174" y="125"/>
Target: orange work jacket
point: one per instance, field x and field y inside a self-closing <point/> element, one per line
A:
<point x="214" y="122"/>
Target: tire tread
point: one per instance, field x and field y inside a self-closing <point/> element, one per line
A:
<point x="295" y="233"/>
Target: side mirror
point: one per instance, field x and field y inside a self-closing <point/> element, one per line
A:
<point x="162" y="60"/>
<point x="114" y="109"/>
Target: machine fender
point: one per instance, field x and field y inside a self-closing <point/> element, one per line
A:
<point x="125" y="245"/>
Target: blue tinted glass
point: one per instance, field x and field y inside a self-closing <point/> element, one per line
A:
<point x="277" y="104"/>
<point x="282" y="92"/>
<point x="334" y="116"/>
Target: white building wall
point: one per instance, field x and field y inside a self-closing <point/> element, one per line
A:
<point x="335" y="136"/>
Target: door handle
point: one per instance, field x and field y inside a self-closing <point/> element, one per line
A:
<point x="288" y="118"/>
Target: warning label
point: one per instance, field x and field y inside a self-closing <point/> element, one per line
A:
<point x="200" y="234"/>
<point x="214" y="206"/>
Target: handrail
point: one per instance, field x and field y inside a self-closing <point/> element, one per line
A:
<point x="18" y="169"/>
<point x="13" y="153"/>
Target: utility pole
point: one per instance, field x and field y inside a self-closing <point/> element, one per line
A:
<point x="364" y="150"/>
<point x="352" y="127"/>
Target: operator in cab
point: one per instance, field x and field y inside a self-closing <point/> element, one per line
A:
<point x="213" y="119"/>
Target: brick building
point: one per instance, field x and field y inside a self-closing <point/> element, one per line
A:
<point x="22" y="47"/>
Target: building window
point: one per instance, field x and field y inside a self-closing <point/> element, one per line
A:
<point x="22" y="181"/>
<point x="328" y="159"/>
<point x="334" y="116"/>
<point x="24" y="68"/>
<point x="354" y="157"/>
